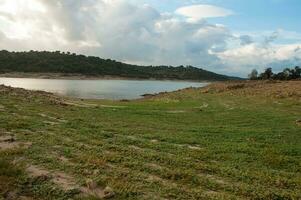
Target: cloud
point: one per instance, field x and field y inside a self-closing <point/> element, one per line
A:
<point x="198" y="12"/>
<point x="271" y="38"/>
<point x="115" y="29"/>
<point x="298" y="48"/>
<point x="245" y="40"/>
<point x="139" y="34"/>
<point x="256" y="55"/>
<point x="2" y="36"/>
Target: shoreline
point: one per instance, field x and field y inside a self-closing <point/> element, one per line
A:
<point x="61" y="76"/>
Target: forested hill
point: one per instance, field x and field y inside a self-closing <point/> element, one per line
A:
<point x="60" y="62"/>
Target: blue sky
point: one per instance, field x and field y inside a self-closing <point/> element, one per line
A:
<point x="249" y="15"/>
<point x="262" y="14"/>
<point x="225" y="36"/>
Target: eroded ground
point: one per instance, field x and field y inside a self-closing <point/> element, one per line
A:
<point x="236" y="140"/>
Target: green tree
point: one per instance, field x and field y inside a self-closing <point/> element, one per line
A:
<point x="296" y="73"/>
<point x="60" y="62"/>
<point x="253" y="75"/>
<point x="267" y="74"/>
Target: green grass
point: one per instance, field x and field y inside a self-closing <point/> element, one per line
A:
<point x="184" y="145"/>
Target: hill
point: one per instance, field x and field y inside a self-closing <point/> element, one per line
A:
<point x="67" y="63"/>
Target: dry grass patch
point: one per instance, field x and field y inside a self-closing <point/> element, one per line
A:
<point x="280" y="89"/>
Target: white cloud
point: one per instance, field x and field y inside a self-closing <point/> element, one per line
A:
<point x="138" y="34"/>
<point x="258" y="56"/>
<point x="245" y="40"/>
<point x="114" y="29"/>
<point x="195" y="13"/>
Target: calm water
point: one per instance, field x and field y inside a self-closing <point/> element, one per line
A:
<point x="99" y="89"/>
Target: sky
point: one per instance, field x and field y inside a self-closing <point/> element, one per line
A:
<point x="225" y="36"/>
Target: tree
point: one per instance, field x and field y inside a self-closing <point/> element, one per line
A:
<point x="253" y="75"/>
<point x="296" y="73"/>
<point x="287" y="73"/>
<point x="60" y="62"/>
<point x="267" y="74"/>
<point x="280" y="76"/>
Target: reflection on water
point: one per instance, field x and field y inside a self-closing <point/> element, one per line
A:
<point x="99" y="89"/>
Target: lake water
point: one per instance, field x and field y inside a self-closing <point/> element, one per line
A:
<point x="99" y="89"/>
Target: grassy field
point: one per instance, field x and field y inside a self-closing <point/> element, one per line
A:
<point x="236" y="140"/>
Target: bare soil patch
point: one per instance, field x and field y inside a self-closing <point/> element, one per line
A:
<point x="62" y="158"/>
<point x="213" y="178"/>
<point x="9" y="142"/>
<point x="36" y="172"/>
<point x="135" y="147"/>
<point x="194" y="147"/>
<point x="90" y="105"/>
<point x="154" y="166"/>
<point x="110" y="106"/>
<point x="51" y="123"/>
<point x="176" y="111"/>
<point x="83" y="105"/>
<point x="68" y="183"/>
<point x="52" y="118"/>
<point x="64" y="181"/>
<point x="13" y="195"/>
<point x="92" y="189"/>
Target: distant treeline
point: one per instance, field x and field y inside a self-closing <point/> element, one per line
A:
<point x="67" y="63"/>
<point x="286" y="74"/>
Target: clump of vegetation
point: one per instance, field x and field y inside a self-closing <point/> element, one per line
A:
<point x="8" y="175"/>
<point x="286" y="74"/>
<point x="67" y="63"/>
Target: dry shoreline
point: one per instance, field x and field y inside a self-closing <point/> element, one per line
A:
<point x="64" y="76"/>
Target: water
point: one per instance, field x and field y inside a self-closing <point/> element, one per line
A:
<point x="99" y="89"/>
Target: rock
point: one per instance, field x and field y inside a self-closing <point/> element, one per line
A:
<point x="124" y="100"/>
<point x="91" y="184"/>
<point x="108" y="192"/>
<point x="11" y="195"/>
<point x="147" y="95"/>
<point x="93" y="190"/>
<point x="2" y="108"/>
<point x="7" y="139"/>
<point x="95" y="172"/>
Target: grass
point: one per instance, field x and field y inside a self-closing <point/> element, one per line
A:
<point x="221" y="142"/>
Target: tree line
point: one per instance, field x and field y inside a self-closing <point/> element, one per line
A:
<point x="71" y="63"/>
<point x="268" y="74"/>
